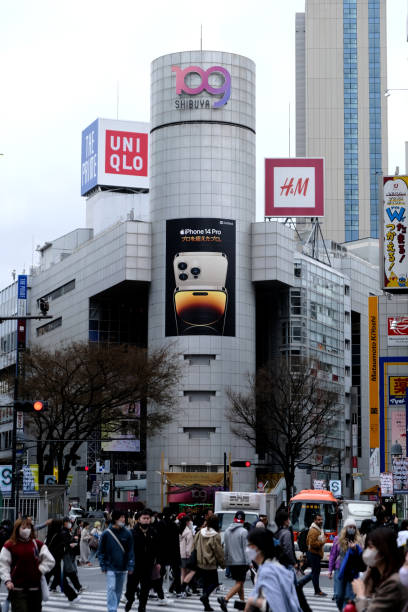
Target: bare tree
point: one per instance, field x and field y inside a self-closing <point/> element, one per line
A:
<point x="288" y="413"/>
<point x="86" y="387"/>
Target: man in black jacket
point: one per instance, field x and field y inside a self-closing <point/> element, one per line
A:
<point x="169" y="551"/>
<point x="145" y="547"/>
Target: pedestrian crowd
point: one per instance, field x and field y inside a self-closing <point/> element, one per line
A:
<point x="369" y="565"/>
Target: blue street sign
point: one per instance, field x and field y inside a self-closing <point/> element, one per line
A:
<point x="22" y="287"/>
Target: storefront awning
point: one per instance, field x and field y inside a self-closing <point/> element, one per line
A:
<point x="186" y="479"/>
<point x="371" y="490"/>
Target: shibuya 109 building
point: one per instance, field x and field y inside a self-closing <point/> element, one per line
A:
<point x="202" y="205"/>
<point x="172" y="255"/>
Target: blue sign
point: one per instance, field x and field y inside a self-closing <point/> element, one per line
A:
<point x="22" y="287"/>
<point x="89" y="158"/>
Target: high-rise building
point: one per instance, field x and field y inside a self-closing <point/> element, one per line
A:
<point x="341" y="109"/>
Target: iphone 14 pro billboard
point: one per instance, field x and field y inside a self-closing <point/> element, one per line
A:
<point x="200" y="277"/>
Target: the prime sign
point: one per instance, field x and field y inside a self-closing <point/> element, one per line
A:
<point x="115" y="154"/>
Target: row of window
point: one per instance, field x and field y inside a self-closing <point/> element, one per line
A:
<point x="45" y="329"/>
<point x="53" y="295"/>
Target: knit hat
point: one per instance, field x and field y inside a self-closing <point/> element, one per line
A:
<point x="350" y="522"/>
<point x="239" y="516"/>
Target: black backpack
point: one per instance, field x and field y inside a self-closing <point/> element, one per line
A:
<point x="302" y="537"/>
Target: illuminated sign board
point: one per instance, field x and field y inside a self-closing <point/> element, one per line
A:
<point x="115" y="154"/>
<point x="294" y="187"/>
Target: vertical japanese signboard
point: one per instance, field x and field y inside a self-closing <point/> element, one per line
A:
<point x="394" y="259"/>
<point x="374" y="471"/>
<point x="22" y="288"/>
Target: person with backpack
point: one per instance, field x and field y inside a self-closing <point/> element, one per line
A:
<point x="284" y="535"/>
<point x="116" y="558"/>
<point x="235" y="542"/>
<point x="315" y="544"/>
<point x="24" y="561"/>
<point x="96" y="533"/>
<point x="207" y="544"/>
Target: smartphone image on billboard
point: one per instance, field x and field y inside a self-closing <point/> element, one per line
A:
<point x="200" y="311"/>
<point x="200" y="270"/>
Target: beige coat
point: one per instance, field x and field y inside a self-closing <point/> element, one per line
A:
<point x="207" y="543"/>
<point x="186" y="543"/>
<point x="389" y="596"/>
<point x="315" y="540"/>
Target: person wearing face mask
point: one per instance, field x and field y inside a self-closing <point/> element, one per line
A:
<point x="381" y="590"/>
<point x="70" y="581"/>
<point x="23" y="561"/>
<point x="116" y="558"/>
<point x="145" y="546"/>
<point x="275" y="587"/>
<point x="345" y="561"/>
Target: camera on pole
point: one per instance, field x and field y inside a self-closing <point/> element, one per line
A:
<point x="43" y="305"/>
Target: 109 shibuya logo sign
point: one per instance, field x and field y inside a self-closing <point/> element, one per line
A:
<point x="182" y="87"/>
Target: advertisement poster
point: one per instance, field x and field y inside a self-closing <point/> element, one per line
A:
<point x="400" y="474"/>
<point x="395" y="232"/>
<point x="398" y="432"/>
<point x="126" y="437"/>
<point x="30" y="479"/>
<point x="200" y="277"/>
<point x="397" y="390"/>
<point x="386" y="483"/>
<point x="398" y="331"/>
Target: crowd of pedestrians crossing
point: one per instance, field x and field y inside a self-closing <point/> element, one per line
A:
<point x="369" y="565"/>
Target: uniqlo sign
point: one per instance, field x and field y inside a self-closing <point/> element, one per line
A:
<point x="294" y="187"/>
<point x="126" y="153"/>
<point x="398" y="331"/>
<point x="115" y="154"/>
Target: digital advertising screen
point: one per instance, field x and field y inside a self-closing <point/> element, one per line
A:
<point x="200" y="277"/>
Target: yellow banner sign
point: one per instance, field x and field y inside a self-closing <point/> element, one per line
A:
<point x="373" y="372"/>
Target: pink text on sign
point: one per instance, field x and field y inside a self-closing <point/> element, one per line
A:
<point x="126" y="153"/>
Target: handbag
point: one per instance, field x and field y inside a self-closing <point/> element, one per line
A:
<point x="156" y="571"/>
<point x="93" y="542"/>
<point x="192" y="560"/>
<point x="45" y="593"/>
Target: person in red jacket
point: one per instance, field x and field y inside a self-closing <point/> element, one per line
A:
<point x="23" y="560"/>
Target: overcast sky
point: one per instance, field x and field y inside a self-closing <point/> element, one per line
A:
<point x="60" y="63"/>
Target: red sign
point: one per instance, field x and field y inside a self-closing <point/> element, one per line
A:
<point x="126" y="153"/>
<point x="398" y="331"/>
<point x="294" y="187"/>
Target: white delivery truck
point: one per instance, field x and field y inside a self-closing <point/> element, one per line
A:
<point x="357" y="510"/>
<point x="253" y="504"/>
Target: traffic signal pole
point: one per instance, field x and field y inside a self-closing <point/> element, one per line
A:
<point x="20" y="348"/>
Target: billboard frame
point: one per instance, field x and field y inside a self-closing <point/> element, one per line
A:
<point x="271" y="207"/>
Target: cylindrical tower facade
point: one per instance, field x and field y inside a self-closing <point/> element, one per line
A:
<point x="202" y="196"/>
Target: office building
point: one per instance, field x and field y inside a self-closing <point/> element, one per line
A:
<point x="341" y="76"/>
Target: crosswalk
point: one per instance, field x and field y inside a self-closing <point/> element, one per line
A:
<point x="96" y="602"/>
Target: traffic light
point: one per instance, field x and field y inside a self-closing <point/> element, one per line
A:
<point x="82" y="468"/>
<point x="241" y="464"/>
<point x="36" y="406"/>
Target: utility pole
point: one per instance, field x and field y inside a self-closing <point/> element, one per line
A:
<point x="20" y="348"/>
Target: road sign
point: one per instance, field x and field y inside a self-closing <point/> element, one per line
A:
<point x="105" y="488"/>
<point x="5" y="478"/>
<point x="103" y="468"/>
<point x="261" y="485"/>
<point x="49" y="479"/>
<point x="335" y="487"/>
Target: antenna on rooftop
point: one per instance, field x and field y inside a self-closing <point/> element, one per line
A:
<point x="201" y="36"/>
<point x="117" y="99"/>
